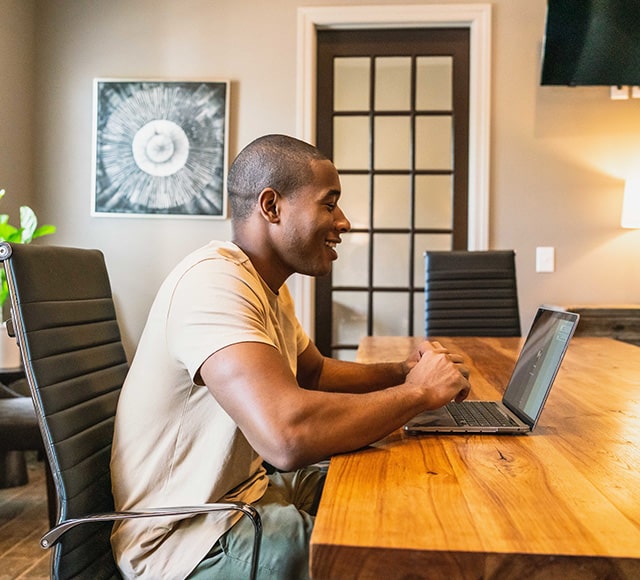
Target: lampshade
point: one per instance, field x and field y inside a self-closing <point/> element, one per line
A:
<point x="631" y="203"/>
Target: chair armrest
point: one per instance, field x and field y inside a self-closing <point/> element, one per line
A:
<point x="54" y="534"/>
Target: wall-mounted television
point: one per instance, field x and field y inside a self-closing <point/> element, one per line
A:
<point x="592" y="42"/>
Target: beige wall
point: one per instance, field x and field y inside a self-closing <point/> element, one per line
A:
<point x="16" y="105"/>
<point x="558" y="155"/>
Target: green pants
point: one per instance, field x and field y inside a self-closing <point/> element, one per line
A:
<point x="288" y="511"/>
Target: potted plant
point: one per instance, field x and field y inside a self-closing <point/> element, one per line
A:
<point x="24" y="234"/>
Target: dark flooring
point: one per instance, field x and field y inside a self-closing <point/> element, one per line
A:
<point x="23" y="520"/>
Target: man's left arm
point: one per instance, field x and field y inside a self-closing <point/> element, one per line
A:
<point x="318" y="372"/>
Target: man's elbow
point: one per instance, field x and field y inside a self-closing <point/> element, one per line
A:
<point x="288" y="453"/>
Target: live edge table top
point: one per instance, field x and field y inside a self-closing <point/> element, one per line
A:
<point x="560" y="502"/>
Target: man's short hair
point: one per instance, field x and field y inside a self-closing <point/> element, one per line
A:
<point x="277" y="161"/>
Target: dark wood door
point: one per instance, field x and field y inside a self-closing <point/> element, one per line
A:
<point x="393" y="114"/>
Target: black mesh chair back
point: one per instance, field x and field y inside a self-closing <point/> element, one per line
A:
<point x="65" y="320"/>
<point x="471" y="293"/>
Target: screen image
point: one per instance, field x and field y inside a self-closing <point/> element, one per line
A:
<point x="539" y="361"/>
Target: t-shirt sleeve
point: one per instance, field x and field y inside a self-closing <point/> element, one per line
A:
<point x="215" y="303"/>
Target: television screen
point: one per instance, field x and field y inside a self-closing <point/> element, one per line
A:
<point x="592" y="42"/>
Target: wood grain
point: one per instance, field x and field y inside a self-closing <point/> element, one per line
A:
<point x="563" y="501"/>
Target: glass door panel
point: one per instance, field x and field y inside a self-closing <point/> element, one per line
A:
<point x="392" y="146"/>
<point x="392" y="201"/>
<point x="351" y="84"/>
<point x="388" y="269"/>
<point x="434" y="76"/>
<point x="393" y="84"/>
<point x="390" y="314"/>
<point x="434" y="142"/>
<point x="351" y="142"/>
<point x="434" y="201"/>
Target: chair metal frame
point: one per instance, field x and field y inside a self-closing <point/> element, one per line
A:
<point x="12" y="256"/>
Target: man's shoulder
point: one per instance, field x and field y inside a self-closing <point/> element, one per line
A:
<point x="217" y="256"/>
<point x="218" y="250"/>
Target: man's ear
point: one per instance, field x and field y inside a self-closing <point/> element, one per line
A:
<point x="269" y="200"/>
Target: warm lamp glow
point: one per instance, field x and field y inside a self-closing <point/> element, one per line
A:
<point x="631" y="203"/>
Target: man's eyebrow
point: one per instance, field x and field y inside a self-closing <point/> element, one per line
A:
<point x="332" y="193"/>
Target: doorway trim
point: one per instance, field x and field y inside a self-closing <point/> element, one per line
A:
<point x="476" y="17"/>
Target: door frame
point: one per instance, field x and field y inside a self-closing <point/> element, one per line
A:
<point x="476" y="17"/>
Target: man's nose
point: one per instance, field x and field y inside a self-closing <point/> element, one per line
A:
<point x="342" y="222"/>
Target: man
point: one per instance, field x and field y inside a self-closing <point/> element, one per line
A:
<point x="225" y="378"/>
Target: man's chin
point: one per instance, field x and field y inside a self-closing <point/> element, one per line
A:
<point x="317" y="271"/>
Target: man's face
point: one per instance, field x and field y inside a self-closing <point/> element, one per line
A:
<point x="311" y="223"/>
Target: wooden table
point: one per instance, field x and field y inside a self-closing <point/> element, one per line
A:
<point x="560" y="502"/>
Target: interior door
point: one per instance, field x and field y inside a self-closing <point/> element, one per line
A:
<point x="393" y="114"/>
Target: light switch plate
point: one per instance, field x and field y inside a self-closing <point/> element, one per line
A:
<point x="545" y="259"/>
<point x="620" y="93"/>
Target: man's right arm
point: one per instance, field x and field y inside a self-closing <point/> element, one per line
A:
<point x="291" y="427"/>
<point x="316" y="371"/>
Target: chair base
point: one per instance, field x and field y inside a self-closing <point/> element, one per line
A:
<point x="13" y="469"/>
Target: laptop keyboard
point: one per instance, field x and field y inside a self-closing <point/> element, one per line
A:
<point x="479" y="413"/>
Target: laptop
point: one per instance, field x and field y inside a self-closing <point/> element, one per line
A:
<point x="528" y="388"/>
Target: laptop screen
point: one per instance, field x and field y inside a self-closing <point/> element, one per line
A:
<point x="539" y="362"/>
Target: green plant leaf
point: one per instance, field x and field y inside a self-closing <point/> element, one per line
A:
<point x="28" y="223"/>
<point x="44" y="230"/>
<point x="9" y="234"/>
<point x="4" y="288"/>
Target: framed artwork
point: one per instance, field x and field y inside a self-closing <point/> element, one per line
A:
<point x="160" y="148"/>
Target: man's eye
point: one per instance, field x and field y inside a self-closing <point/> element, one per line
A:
<point x="331" y="206"/>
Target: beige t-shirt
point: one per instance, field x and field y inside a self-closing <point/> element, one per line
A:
<point x="173" y="444"/>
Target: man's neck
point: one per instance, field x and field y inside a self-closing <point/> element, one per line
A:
<point x="262" y="261"/>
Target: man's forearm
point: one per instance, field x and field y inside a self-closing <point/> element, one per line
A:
<point x="350" y="377"/>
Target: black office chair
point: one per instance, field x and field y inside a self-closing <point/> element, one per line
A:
<point x="471" y="293"/>
<point x="64" y="317"/>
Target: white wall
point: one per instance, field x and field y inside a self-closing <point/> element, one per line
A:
<point x="558" y="156"/>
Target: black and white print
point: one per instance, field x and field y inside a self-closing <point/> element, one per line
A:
<point x="160" y="148"/>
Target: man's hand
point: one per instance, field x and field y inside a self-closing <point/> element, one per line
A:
<point x="443" y="375"/>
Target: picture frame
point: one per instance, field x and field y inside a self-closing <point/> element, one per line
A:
<point x="160" y="148"/>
